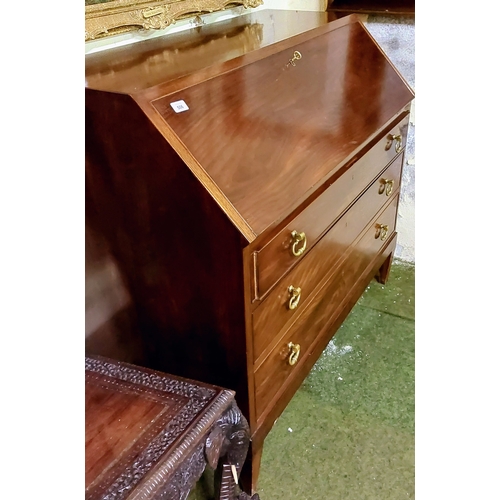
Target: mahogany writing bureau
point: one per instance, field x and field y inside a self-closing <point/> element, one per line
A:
<point x="246" y="190"/>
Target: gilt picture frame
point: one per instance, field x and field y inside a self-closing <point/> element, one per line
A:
<point x="105" y="18"/>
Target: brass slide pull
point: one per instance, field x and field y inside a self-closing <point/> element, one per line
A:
<point x="296" y="56"/>
<point x="294" y="353"/>
<point x="294" y="297"/>
<point x="386" y="185"/>
<point x="382" y="231"/>
<point x="297" y="239"/>
<point x="399" y="142"/>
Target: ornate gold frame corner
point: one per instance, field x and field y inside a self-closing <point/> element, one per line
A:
<point x="118" y="16"/>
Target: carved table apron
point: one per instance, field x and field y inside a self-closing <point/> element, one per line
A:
<point x="149" y="435"/>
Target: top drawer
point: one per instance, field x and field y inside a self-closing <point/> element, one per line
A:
<point x="289" y="246"/>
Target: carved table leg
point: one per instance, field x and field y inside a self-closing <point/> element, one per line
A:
<point x="226" y="448"/>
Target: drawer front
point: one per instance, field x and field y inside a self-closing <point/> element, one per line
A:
<point x="293" y="292"/>
<point x="284" y="361"/>
<point x="287" y="248"/>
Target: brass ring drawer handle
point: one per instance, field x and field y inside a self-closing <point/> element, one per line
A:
<point x="294" y="297"/>
<point x="386" y="185"/>
<point x="294" y="353"/>
<point x="399" y="142"/>
<point x="299" y="243"/>
<point x="382" y="231"/>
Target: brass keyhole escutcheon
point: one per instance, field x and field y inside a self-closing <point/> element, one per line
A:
<point x="296" y="56"/>
<point x="294" y="297"/>
<point x="386" y="186"/>
<point x="299" y="243"/>
<point x="382" y="231"/>
<point x="294" y="353"/>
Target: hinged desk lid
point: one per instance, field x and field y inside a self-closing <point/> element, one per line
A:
<point x="267" y="133"/>
<point x="259" y="132"/>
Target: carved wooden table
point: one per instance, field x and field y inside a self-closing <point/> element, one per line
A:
<point x="149" y="435"/>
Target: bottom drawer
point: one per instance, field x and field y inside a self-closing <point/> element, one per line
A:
<point x="285" y="360"/>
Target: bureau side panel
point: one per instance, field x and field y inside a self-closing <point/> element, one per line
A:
<point x="179" y="258"/>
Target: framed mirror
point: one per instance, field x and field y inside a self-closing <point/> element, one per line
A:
<point x="110" y="17"/>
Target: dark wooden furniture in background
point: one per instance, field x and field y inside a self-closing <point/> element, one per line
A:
<point x="149" y="435"/>
<point x="239" y="233"/>
<point x="380" y="7"/>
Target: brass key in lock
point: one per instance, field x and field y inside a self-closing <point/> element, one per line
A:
<point x="296" y="56"/>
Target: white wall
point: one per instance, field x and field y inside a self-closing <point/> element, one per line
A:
<point x="314" y="5"/>
<point x="396" y="37"/>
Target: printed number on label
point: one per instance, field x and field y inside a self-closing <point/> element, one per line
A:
<point x="179" y="106"/>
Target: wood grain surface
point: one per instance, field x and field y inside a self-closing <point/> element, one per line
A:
<point x="135" y="67"/>
<point x="274" y="313"/>
<point x="275" y="258"/>
<point x="135" y="418"/>
<point x="189" y="214"/>
<point x="285" y="119"/>
<point x="272" y="374"/>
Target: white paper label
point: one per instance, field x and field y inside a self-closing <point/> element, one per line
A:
<point x="179" y="106"/>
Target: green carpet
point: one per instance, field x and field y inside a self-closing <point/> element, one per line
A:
<point x="348" y="433"/>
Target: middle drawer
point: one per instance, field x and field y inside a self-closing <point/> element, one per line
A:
<point x="294" y="290"/>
